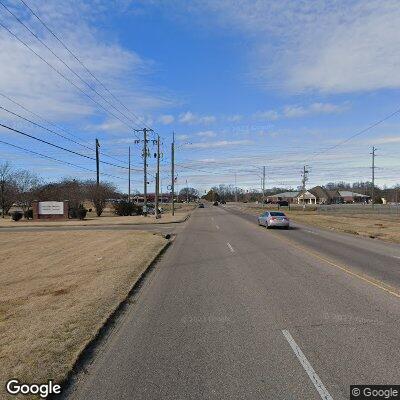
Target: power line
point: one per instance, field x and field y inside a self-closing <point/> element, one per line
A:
<point x="62" y="61"/>
<point x="60" y="147"/>
<point x="56" y="159"/>
<point x="43" y="127"/>
<point x="62" y="75"/>
<point x="50" y="130"/>
<point x="359" y="132"/>
<point x="81" y="63"/>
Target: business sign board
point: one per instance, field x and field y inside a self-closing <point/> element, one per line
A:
<point x="51" y="208"/>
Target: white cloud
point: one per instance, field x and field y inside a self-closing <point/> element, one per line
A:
<point x="234" y="118"/>
<point x="191" y="118"/>
<point x="207" y="134"/>
<point x="296" y="111"/>
<point x="326" y="46"/>
<point x="268" y="115"/>
<point x="167" y="119"/>
<point x="384" y="140"/>
<point x="27" y="79"/>
<point x="182" y="137"/>
<point x="221" y="143"/>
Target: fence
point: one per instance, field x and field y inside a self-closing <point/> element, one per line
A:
<point x="393" y="209"/>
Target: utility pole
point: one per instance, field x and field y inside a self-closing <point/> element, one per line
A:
<point x="129" y="174"/>
<point x="235" y="189"/>
<point x="263" y="186"/>
<point x="157" y="177"/>
<point x="173" y="172"/>
<point x="97" y="163"/>
<point x="145" y="154"/>
<point x="373" y="176"/>
<point x="304" y="180"/>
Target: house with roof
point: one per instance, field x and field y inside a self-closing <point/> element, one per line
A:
<point x="353" y="197"/>
<point x="306" y="197"/>
<point x="325" y="196"/>
<point x="290" y="197"/>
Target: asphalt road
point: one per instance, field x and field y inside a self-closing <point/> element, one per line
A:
<point x="235" y="311"/>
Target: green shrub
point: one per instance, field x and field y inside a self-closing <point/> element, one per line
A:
<point x="28" y="214"/>
<point x="79" y="212"/>
<point x="124" y="208"/>
<point x="16" y="215"/>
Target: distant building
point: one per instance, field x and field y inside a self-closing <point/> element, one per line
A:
<point x="290" y="197"/>
<point x="352" y="197"/>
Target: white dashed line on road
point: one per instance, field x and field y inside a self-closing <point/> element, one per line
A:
<point x="217" y="227"/>
<point x="314" y="233"/>
<point x="230" y="247"/>
<point x="307" y="366"/>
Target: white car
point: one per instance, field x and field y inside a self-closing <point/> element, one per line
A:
<point x="274" y="219"/>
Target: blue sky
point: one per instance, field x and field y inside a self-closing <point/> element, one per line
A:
<point x="242" y="83"/>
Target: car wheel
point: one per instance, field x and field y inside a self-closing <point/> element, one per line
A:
<point x="267" y="226"/>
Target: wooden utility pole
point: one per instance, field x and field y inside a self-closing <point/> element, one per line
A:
<point x="145" y="154"/>
<point x="173" y="172"/>
<point x="157" y="178"/>
<point x="263" y="187"/>
<point x="373" y="177"/>
<point x="97" y="163"/>
<point x="129" y="174"/>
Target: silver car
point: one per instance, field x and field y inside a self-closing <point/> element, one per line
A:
<point x="274" y="218"/>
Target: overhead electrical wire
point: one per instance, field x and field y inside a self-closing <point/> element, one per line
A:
<point x="56" y="159"/>
<point x="63" y="148"/>
<point x="63" y="62"/>
<point x="65" y="77"/>
<point x="82" y="64"/>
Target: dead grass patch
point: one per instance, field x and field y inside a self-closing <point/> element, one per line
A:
<point x="57" y="289"/>
<point x="385" y="227"/>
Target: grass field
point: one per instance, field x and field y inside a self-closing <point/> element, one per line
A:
<point x="381" y="226"/>
<point x="182" y="210"/>
<point x="57" y="289"/>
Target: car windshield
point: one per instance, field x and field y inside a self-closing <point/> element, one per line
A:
<point x="277" y="214"/>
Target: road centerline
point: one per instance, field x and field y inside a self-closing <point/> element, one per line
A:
<point x="323" y="392"/>
<point x="230" y="247"/>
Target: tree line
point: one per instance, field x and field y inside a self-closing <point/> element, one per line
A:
<point x="229" y="192"/>
<point x="21" y="187"/>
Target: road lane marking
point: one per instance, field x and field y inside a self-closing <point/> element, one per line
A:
<point x="217" y="227"/>
<point x="323" y="392"/>
<point x="230" y="247"/>
<point x="375" y="282"/>
<point x="314" y="233"/>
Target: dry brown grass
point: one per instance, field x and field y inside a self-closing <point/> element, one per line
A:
<point x="385" y="227"/>
<point x="92" y="219"/>
<point x="57" y="289"/>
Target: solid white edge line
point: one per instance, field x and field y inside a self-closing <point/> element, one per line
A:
<point x="230" y="247"/>
<point x="307" y="366"/>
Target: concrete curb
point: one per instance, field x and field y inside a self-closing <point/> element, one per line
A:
<point x="86" y="355"/>
<point x="55" y="225"/>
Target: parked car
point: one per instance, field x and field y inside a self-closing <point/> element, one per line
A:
<point x="271" y="219"/>
<point x="215" y="203"/>
<point x="223" y="202"/>
<point x="201" y="205"/>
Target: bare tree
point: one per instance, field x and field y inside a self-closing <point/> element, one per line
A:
<point x="99" y="195"/>
<point x="8" y="188"/>
<point x="27" y="184"/>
